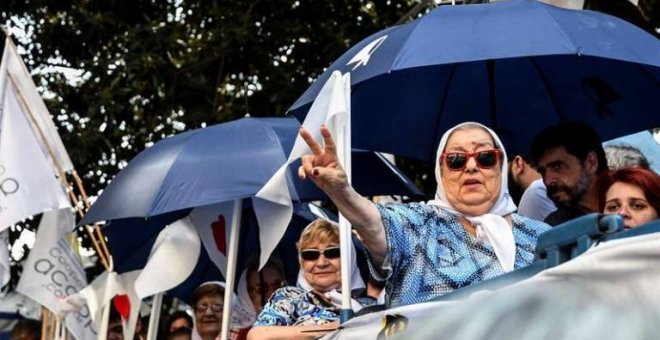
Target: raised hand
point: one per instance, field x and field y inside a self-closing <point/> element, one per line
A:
<point x="322" y="166"/>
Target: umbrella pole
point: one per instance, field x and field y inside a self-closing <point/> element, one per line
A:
<point x="156" y="305"/>
<point x="232" y="257"/>
<point x="344" y="153"/>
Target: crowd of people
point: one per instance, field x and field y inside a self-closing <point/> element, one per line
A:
<point x="484" y="221"/>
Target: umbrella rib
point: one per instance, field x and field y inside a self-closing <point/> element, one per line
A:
<point x="548" y="89"/>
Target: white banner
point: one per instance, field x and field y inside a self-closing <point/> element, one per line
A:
<point x="27" y="182"/>
<point x="53" y="271"/>
<point x="5" y="274"/>
<point x="213" y="223"/>
<point x="596" y="295"/>
<point x="30" y="99"/>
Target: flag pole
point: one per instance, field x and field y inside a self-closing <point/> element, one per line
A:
<point x="343" y="149"/>
<point x="156" y="305"/>
<point x="100" y="250"/>
<point x="232" y="258"/>
<point x="98" y="230"/>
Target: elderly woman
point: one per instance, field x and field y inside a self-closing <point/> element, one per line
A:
<point x="633" y="193"/>
<point x="256" y="286"/>
<point x="312" y="308"/>
<point x="207" y="302"/>
<point x="469" y="233"/>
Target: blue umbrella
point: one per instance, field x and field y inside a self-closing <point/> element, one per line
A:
<point x="515" y="66"/>
<point x="222" y="163"/>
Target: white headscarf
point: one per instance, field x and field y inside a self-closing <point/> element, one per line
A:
<point x="244" y="296"/>
<point x="240" y="315"/>
<point x="335" y="295"/>
<point x="491" y="227"/>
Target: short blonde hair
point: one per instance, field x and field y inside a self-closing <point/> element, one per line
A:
<point x="319" y="230"/>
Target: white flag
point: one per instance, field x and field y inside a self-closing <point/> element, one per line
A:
<point x="127" y="302"/>
<point x="173" y="257"/>
<point x="53" y="271"/>
<point x="272" y="204"/>
<point x="14" y="71"/>
<point x="5" y="274"/>
<point x="213" y="223"/>
<point x="27" y="183"/>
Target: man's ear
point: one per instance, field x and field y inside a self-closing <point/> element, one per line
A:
<point x="517" y="165"/>
<point x="591" y="163"/>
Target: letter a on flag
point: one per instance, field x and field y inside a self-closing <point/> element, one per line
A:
<point x="53" y="271"/>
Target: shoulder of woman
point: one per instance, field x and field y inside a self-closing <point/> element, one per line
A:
<point x="520" y="221"/>
<point x="289" y="291"/>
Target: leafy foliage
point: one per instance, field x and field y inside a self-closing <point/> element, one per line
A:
<point x="149" y="69"/>
<point x="120" y="75"/>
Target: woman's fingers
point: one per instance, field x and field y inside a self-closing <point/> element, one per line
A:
<point x="313" y="144"/>
<point x="306" y="167"/>
<point x="329" y="142"/>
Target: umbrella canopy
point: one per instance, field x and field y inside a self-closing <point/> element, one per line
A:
<point x="515" y="66"/>
<point x="222" y="163"/>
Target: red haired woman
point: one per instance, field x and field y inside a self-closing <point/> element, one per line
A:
<point x="633" y="193"/>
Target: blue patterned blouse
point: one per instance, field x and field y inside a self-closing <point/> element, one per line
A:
<point x="295" y="306"/>
<point x="430" y="253"/>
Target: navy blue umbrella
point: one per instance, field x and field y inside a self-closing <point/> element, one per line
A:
<point x="515" y="66"/>
<point x="222" y="163"/>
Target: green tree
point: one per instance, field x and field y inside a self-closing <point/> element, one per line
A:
<point x="146" y="69"/>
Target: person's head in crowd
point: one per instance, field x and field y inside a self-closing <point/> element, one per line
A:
<point x="116" y="329"/>
<point x="633" y="193"/>
<point x="521" y="176"/>
<point x="319" y="256"/>
<point x="262" y="284"/>
<point x="622" y="156"/>
<point x="181" y="333"/>
<point x="471" y="182"/>
<point x="569" y="156"/>
<point x="207" y="302"/>
<point x="178" y="320"/>
<point x="26" y="329"/>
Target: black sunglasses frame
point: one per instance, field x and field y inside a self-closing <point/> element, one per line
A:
<point x="315" y="254"/>
<point x="444" y="157"/>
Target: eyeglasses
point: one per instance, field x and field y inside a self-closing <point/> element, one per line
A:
<point x="203" y="307"/>
<point x="266" y="287"/>
<point x="458" y="160"/>
<point x="314" y="254"/>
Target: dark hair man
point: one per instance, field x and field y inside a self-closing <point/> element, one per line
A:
<point x="570" y="157"/>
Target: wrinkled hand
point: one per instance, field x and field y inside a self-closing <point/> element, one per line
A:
<point x="322" y="166"/>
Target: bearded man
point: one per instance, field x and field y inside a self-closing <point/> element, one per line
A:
<point x="570" y="157"/>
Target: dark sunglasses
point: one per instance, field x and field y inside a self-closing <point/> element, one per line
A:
<point x="203" y="307"/>
<point x="458" y="160"/>
<point x="314" y="254"/>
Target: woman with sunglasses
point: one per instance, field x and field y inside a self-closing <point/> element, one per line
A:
<point x="468" y="233"/>
<point x="312" y="308"/>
